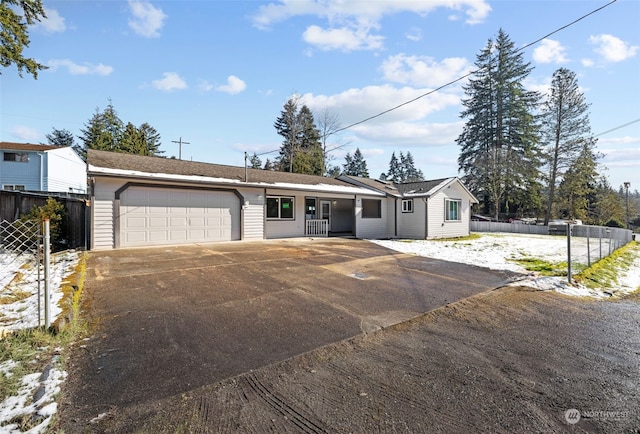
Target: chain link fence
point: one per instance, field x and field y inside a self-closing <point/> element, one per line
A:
<point x="22" y="274"/>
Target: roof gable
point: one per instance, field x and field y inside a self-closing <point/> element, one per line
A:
<point x="408" y="189"/>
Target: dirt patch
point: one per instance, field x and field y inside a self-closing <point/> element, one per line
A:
<point x="508" y="360"/>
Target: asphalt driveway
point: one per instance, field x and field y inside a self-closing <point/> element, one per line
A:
<point x="167" y="320"/>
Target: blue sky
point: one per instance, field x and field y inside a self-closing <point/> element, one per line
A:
<point x="217" y="73"/>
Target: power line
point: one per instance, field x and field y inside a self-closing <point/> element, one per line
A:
<point x="617" y="128"/>
<point x="472" y="72"/>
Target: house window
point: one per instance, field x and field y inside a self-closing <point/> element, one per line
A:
<point x="371" y="209"/>
<point x="20" y="157"/>
<point x="13" y="187"/>
<point x="280" y="208"/>
<point x="310" y="208"/>
<point x="407" y="205"/>
<point x="452" y="209"/>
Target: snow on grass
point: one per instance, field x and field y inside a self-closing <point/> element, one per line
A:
<point x="501" y="251"/>
<point x="34" y="405"/>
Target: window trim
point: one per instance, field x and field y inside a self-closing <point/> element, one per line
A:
<point x="14" y="187"/>
<point x="18" y="157"/>
<point x="447" y="210"/>
<point x="379" y="209"/>
<point x="407" y="205"/>
<point x="280" y="208"/>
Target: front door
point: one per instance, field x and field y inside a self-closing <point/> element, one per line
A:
<point x="325" y="212"/>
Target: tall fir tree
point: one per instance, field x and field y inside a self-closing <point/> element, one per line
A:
<point x="287" y="126"/>
<point x="578" y="184"/>
<point x="151" y="139"/>
<point x="499" y="144"/>
<point x="394" y="173"/>
<point x="356" y="165"/>
<point x="409" y="171"/>
<point x="16" y="17"/>
<point x="564" y="128"/>
<point x="301" y="149"/>
<point x="105" y="131"/>
<point x="60" y="138"/>
<point x="254" y="162"/>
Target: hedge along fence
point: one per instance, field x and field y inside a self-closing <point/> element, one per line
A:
<point x="74" y="232"/>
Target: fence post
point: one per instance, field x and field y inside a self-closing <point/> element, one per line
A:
<point x="569" y="252"/>
<point x="588" y="247"/>
<point x="47" y="298"/>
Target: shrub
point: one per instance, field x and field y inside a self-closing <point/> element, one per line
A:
<point x="52" y="210"/>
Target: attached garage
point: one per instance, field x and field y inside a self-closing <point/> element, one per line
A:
<point x="154" y="215"/>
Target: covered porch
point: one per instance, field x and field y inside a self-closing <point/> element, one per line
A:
<point x="329" y="217"/>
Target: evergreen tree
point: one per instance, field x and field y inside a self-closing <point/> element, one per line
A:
<point x="151" y="139"/>
<point x="333" y="172"/>
<point x="287" y="126"/>
<point x="268" y="165"/>
<point x="500" y="140"/>
<point x="565" y="125"/>
<point x="254" y="162"/>
<point x="105" y="131"/>
<point x="356" y="165"/>
<point x="301" y="150"/>
<point x="408" y="169"/>
<point x="604" y="204"/>
<point x="15" y="18"/>
<point x="311" y="158"/>
<point x="60" y="138"/>
<point x="395" y="171"/>
<point x="578" y="184"/>
<point x="132" y="141"/>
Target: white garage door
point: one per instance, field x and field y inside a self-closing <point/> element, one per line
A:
<point x="157" y="216"/>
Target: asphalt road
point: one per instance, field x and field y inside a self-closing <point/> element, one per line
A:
<point x="170" y="320"/>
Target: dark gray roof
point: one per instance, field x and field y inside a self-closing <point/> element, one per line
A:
<point x="419" y="187"/>
<point x="139" y="163"/>
<point x="401" y="189"/>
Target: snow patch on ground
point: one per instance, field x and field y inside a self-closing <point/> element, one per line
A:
<point x="499" y="251"/>
<point x="35" y="401"/>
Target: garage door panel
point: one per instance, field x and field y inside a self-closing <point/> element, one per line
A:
<point x="152" y="216"/>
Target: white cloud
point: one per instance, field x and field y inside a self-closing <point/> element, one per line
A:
<point x="424" y="70"/>
<point x="205" y="86"/>
<point x="344" y="39"/>
<point x="587" y="62"/>
<point x="80" y="69"/>
<point x="234" y="85"/>
<point x="405" y="126"/>
<point x="414" y="34"/>
<point x="147" y="20"/>
<point x="550" y="51"/>
<point x="612" y="49"/>
<point x="28" y="134"/>
<point x="53" y="23"/>
<point x="350" y="22"/>
<point x="171" y="81"/>
<point x="371" y="152"/>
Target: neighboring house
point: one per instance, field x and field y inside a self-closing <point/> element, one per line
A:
<point x="42" y="168"/>
<point x="141" y="201"/>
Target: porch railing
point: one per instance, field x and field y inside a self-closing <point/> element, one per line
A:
<point x="318" y="228"/>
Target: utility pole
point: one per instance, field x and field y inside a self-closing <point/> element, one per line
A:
<point x="180" y="143"/>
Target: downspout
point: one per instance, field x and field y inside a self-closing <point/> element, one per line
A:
<point x="426" y="218"/>
<point x="41" y="155"/>
<point x="395" y="217"/>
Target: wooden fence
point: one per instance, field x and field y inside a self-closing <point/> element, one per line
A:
<point x="75" y="225"/>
